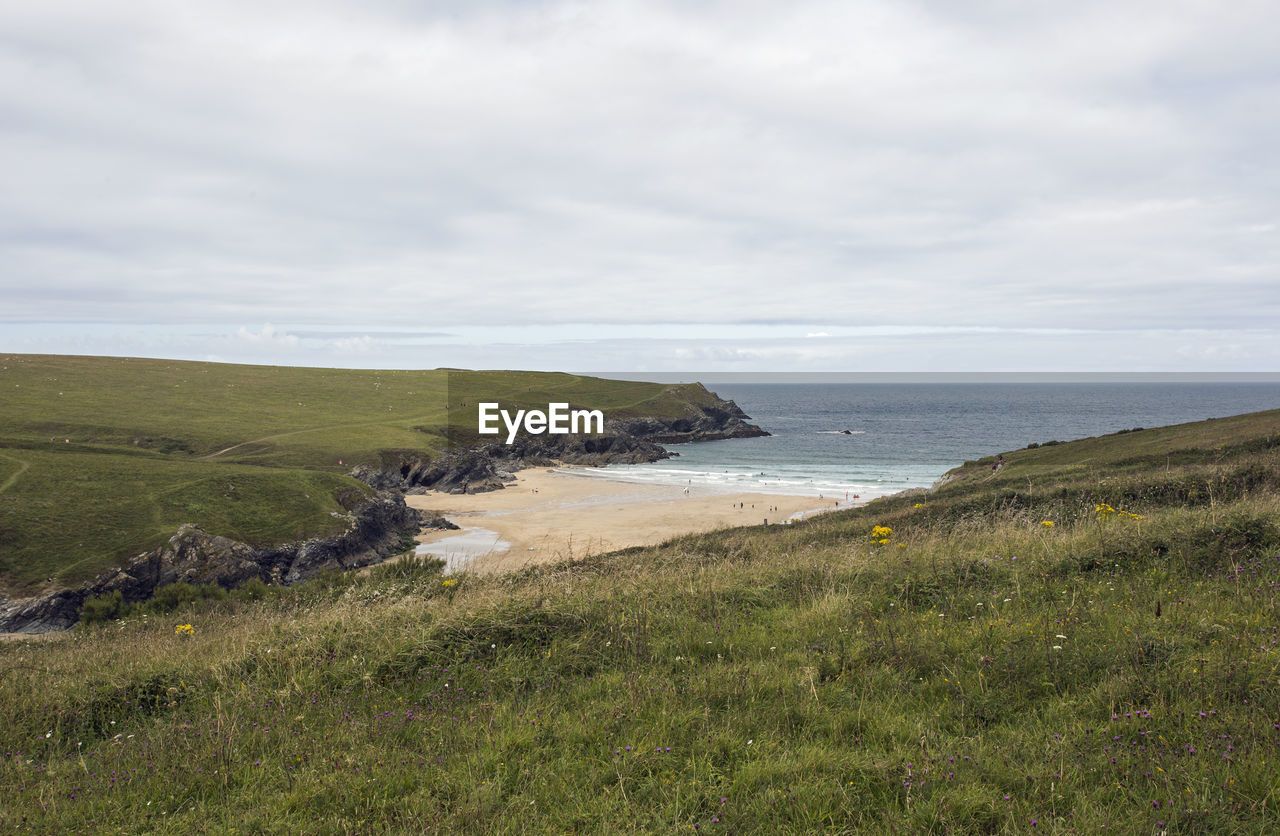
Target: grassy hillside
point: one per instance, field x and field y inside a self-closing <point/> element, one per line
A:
<point x="102" y="458"/>
<point x="947" y="662"/>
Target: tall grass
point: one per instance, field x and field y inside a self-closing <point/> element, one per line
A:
<point x="979" y="673"/>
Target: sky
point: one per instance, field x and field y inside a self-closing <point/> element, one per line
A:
<point x="734" y="187"/>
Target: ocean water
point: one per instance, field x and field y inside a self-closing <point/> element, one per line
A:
<point x="906" y="435"/>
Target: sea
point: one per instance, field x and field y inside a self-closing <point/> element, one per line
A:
<point x="874" y="439"/>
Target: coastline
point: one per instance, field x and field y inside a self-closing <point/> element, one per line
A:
<point x="550" y="514"/>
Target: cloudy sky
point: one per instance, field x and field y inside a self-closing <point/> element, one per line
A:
<point x="998" y="185"/>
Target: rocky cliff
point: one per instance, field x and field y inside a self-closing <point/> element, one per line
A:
<point x="624" y="441"/>
<point x="723" y="419"/>
<point x="193" y="556"/>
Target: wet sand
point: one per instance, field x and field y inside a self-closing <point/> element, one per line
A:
<point x="551" y="514"/>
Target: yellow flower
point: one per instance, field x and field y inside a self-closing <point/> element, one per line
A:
<point x="184" y="630"/>
<point x="881" y="533"/>
<point x="449" y="584"/>
<point x="1047" y="523"/>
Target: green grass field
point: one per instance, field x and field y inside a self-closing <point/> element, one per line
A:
<point x="944" y="662"/>
<point x="103" y="458"/>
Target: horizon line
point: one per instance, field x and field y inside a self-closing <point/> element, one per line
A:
<point x="942" y="377"/>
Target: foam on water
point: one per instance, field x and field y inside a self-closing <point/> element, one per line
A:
<point x="801" y="481"/>
<point x="907" y="435"/>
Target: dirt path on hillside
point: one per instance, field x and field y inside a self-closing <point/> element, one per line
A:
<point x="298" y="432"/>
<point x="8" y="483"/>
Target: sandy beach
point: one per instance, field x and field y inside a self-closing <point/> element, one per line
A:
<point x="551" y="514"/>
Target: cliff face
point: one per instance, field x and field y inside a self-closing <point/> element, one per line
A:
<point x="196" y="557"/>
<point x="723" y="419"/>
<point x="624" y="441"/>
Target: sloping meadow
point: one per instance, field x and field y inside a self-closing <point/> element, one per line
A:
<point x="104" y="458"/>
<point x="1061" y="647"/>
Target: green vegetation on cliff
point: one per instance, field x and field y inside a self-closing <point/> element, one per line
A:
<point x="102" y="458"/>
<point x="1083" y="642"/>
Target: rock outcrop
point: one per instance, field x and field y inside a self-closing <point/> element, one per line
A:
<point x="489" y="467"/>
<point x="721" y="420"/>
<point x="194" y="556"/>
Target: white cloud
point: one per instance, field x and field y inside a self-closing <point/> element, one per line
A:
<point x="266" y="335"/>
<point x="353" y="345"/>
<point x="823" y="164"/>
<point x="745" y="348"/>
